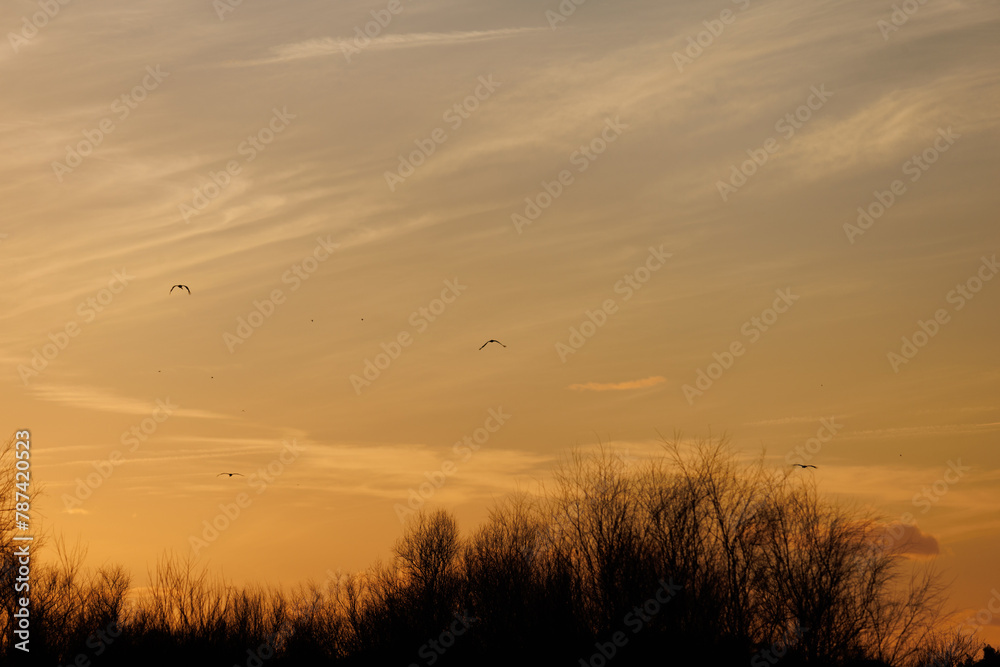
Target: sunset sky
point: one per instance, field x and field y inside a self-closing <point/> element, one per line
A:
<point x="653" y="204"/>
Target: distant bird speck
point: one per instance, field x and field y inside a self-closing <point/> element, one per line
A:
<point x="230" y="474"/>
<point x="182" y="287"/>
<point x="802" y="465"/>
<point x="492" y="341"/>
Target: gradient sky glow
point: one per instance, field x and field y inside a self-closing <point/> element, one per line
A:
<point x="613" y="111"/>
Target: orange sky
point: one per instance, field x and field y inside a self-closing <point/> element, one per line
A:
<point x="654" y="205"/>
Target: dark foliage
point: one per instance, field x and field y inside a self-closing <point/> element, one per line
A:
<point x="692" y="559"/>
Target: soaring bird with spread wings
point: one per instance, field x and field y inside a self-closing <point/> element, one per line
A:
<point x="230" y="474"/>
<point x="492" y="341"/>
<point x="181" y="286"/>
<point x="801" y="465"/>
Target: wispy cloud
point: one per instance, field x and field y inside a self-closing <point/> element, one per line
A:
<point x="618" y="386"/>
<point x="784" y="420"/>
<point x="328" y="46"/>
<point x="94" y="398"/>
<point x="928" y="430"/>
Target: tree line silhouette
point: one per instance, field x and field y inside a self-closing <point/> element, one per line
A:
<point x="692" y="558"/>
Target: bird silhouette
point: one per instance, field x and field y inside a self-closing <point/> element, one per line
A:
<point x="230" y="474"/>
<point x="802" y="465"/>
<point x="492" y="341"/>
<point x="182" y="287"/>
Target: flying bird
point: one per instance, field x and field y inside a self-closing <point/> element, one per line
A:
<point x="492" y="341"/>
<point x="802" y="466"/>
<point x="181" y="286"/>
<point x="230" y="474"/>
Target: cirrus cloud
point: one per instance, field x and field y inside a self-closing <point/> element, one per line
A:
<point x="619" y="386"/>
<point x="328" y="46"/>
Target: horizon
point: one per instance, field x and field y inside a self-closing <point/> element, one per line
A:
<point x="753" y="218"/>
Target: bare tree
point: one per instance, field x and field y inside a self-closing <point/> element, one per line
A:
<point x="7" y="569"/>
<point x="762" y="558"/>
<point x="596" y="500"/>
<point x="428" y="551"/>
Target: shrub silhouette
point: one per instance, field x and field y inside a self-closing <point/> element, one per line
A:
<point x="691" y="558"/>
